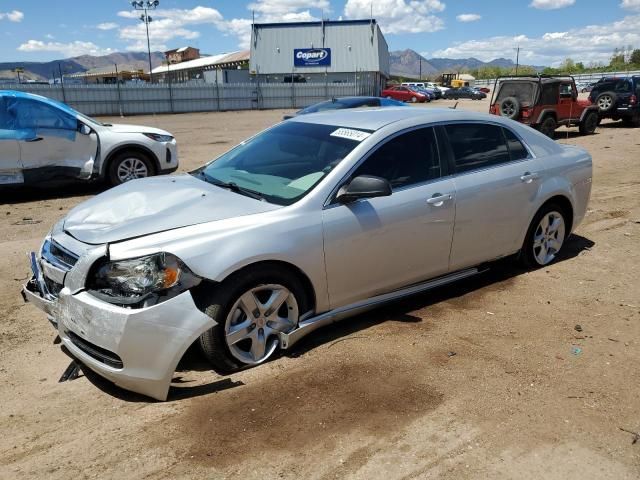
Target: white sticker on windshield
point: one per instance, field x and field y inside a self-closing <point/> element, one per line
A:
<point x="350" y="134"/>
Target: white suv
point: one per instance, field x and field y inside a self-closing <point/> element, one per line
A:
<point x="42" y="139"/>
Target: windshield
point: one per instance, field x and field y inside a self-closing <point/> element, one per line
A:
<point x="284" y="163"/>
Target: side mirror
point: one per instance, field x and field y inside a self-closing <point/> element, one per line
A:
<point x="84" y="129"/>
<point x="364" y="186"/>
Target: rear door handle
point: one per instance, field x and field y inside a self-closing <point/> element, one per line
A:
<point x="529" y="177"/>
<point x="34" y="139"/>
<point x="439" y="199"/>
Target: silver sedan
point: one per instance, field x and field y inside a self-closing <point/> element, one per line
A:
<point x="306" y="223"/>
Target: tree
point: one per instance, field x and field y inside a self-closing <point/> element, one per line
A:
<point x="617" y="59"/>
<point x="634" y="58"/>
<point x="568" y="65"/>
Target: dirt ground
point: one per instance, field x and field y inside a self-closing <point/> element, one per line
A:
<point x="489" y="378"/>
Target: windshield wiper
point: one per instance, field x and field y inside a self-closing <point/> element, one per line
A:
<point x="234" y="187"/>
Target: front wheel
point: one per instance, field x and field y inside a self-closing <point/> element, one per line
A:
<point x="251" y="308"/>
<point x="545" y="237"/>
<point x="414" y="99"/>
<point x="128" y="166"/>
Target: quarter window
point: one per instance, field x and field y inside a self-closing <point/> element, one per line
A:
<point x="516" y="148"/>
<point x="476" y="145"/>
<point x="407" y="159"/>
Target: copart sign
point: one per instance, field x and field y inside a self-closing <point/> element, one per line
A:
<point x="312" y="57"/>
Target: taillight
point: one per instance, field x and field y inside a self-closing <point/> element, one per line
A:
<point x="525" y="113"/>
<point x="633" y="100"/>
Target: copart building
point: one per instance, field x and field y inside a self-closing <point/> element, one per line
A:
<point x="319" y="52"/>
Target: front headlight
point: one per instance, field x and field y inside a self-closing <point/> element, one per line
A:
<point x="158" y="138"/>
<point x="135" y="280"/>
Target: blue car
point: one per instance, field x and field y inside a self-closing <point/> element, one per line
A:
<point x="346" y="102"/>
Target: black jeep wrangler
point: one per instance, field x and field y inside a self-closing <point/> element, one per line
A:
<point x="618" y="99"/>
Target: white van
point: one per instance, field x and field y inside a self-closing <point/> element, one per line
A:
<point x="413" y="84"/>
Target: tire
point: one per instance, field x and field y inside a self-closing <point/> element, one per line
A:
<point x="225" y="307"/>
<point x="509" y="107"/>
<point x="542" y="245"/>
<point x="414" y="99"/>
<point x="633" y="121"/>
<point x="589" y="123"/>
<point x="606" y="101"/>
<point x="136" y="163"/>
<point x="548" y="127"/>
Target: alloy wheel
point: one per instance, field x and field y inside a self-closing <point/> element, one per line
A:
<point x="255" y="320"/>
<point x="604" y="102"/>
<point x="132" y="168"/>
<point x="548" y="237"/>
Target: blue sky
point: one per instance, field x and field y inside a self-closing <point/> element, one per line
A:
<point x="547" y="30"/>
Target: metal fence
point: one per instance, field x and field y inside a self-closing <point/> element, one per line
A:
<point x="583" y="77"/>
<point x="195" y="97"/>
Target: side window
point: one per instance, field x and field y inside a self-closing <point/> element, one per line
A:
<point x="476" y="145"/>
<point x="516" y="148"/>
<point x="565" y="90"/>
<point x="549" y="95"/>
<point x="30" y="114"/>
<point x="407" y="159"/>
<point x="623" y="86"/>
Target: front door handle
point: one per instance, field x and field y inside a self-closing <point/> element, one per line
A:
<point x="34" y="139"/>
<point x="438" y="199"/>
<point x="529" y="177"/>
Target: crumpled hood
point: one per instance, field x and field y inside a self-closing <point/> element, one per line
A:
<point x="126" y="128"/>
<point x="155" y="204"/>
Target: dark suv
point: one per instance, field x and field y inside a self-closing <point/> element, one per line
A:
<point x="617" y="98"/>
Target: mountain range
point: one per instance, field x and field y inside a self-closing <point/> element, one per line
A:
<point x="405" y="63"/>
<point x="409" y="63"/>
<point x="42" y="71"/>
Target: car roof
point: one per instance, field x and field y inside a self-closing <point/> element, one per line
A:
<point x="39" y="98"/>
<point x="376" y="118"/>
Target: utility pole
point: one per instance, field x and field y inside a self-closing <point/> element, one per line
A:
<point x="420" y="68"/>
<point x="18" y="70"/>
<point x="517" y="49"/>
<point x="145" y="7"/>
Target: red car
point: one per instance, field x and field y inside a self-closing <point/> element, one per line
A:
<point x="404" y="94"/>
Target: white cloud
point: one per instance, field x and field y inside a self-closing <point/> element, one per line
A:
<point x="592" y="43"/>
<point x="468" y="17"/>
<point x="71" y="49"/>
<point x="13" y="16"/>
<point x="631" y="5"/>
<point x="551" y="4"/>
<point x="107" y="26"/>
<point x="399" y="16"/>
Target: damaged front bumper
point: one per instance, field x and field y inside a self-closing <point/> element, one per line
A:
<point x="137" y="349"/>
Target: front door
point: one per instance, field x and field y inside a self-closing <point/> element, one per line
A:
<point x="496" y="182"/>
<point x="376" y="245"/>
<point x="50" y="142"/>
<point x="10" y="167"/>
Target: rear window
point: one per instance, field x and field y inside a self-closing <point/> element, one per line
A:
<point x="476" y="145"/>
<point x="523" y="91"/>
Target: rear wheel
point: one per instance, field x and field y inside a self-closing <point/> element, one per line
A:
<point x="548" y="127"/>
<point x="251" y="308"/>
<point x="414" y="99"/>
<point x="129" y="165"/>
<point x="545" y="237"/>
<point x="589" y="123"/>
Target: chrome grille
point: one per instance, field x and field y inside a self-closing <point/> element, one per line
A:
<point x="58" y="256"/>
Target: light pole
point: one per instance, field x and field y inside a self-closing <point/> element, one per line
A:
<point x="517" y="49"/>
<point x="145" y="7"/>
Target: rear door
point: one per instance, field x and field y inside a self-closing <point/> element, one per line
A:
<point x="10" y="166"/>
<point x="496" y="180"/>
<point x="52" y="144"/>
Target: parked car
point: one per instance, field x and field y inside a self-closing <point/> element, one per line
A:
<point x="435" y="93"/>
<point x="618" y="99"/>
<point x="430" y="95"/>
<point x="404" y="94"/>
<point x="435" y="85"/>
<point x="311" y="221"/>
<point x="346" y="102"/>
<point x="42" y="139"/>
<point x="464" y="92"/>
<point x="543" y="102"/>
<point x="483" y="89"/>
